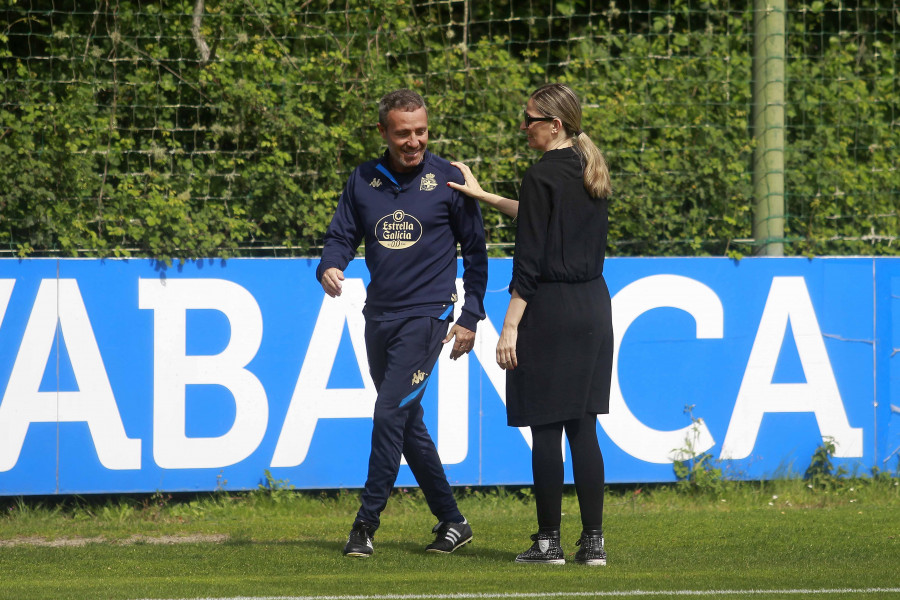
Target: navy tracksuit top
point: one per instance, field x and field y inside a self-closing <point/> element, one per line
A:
<point x="411" y="223"/>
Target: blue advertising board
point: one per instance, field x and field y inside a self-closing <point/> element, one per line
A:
<point x="133" y="376"/>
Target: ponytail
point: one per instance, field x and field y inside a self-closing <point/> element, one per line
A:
<point x="596" y="173"/>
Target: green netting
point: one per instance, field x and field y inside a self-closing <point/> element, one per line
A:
<point x="219" y="128"/>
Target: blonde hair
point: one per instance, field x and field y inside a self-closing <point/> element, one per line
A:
<point x="558" y="100"/>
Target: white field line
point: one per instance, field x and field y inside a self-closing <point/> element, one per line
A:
<point x="599" y="594"/>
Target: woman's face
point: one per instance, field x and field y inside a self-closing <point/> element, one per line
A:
<point x="540" y="133"/>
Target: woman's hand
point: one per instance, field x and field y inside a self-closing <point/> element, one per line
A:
<point x="472" y="187"/>
<point x="506" y="348"/>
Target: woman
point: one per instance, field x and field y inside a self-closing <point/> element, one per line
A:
<point x="556" y="342"/>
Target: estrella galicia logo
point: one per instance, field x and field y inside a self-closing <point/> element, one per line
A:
<point x="398" y="230"/>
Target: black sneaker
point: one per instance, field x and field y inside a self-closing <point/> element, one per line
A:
<point x="591" y="550"/>
<point x="359" y="542"/>
<point x="449" y="537"/>
<point x="545" y="550"/>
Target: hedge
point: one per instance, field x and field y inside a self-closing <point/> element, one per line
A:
<point x="121" y="136"/>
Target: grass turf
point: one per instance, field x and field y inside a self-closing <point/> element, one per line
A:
<point x="778" y="537"/>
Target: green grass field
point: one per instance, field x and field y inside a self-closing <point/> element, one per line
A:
<point x="772" y="540"/>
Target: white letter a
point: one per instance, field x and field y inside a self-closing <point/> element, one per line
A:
<point x="789" y="300"/>
<point x="93" y="403"/>
<point x="312" y="400"/>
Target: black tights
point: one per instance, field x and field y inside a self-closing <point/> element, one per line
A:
<point x="587" y="468"/>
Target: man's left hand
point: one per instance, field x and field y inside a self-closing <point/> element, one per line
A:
<point x="465" y="341"/>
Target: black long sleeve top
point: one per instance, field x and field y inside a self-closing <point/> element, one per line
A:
<point x="561" y="232"/>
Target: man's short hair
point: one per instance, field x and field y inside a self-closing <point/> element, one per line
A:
<point x="405" y="100"/>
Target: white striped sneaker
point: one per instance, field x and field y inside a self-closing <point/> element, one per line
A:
<point x="359" y="542"/>
<point x="449" y="537"/>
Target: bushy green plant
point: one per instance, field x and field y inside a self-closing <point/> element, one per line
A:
<point x="118" y="138"/>
<point x="821" y="472"/>
<point x="697" y="473"/>
<point x="275" y="490"/>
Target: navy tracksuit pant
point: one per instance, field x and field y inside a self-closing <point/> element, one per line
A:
<point x="402" y="354"/>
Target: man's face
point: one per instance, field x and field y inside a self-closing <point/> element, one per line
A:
<point x="406" y="134"/>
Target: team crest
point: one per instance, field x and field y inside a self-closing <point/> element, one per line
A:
<point x="428" y="182"/>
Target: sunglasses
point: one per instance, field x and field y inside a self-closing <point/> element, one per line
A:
<point x="529" y="119"/>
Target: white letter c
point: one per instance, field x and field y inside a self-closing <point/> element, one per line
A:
<point x="657" y="291"/>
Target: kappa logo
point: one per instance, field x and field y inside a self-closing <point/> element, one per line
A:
<point x="375" y="183"/>
<point x="428" y="182"/>
<point x="418" y="377"/>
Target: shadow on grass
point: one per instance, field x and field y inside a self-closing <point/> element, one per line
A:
<point x="387" y="548"/>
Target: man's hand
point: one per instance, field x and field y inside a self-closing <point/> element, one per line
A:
<point x="332" y="281"/>
<point x="465" y="340"/>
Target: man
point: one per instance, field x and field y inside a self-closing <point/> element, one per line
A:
<point x="411" y="221"/>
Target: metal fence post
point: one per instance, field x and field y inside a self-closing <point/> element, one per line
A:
<point x="768" y="126"/>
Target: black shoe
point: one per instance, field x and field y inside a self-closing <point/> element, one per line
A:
<point x="449" y="537"/>
<point x="359" y="542"/>
<point x="591" y="550"/>
<point x="545" y="550"/>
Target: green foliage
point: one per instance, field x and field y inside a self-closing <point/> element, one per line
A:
<point x="843" y="144"/>
<point x="275" y="490"/>
<point x="697" y="473"/>
<point x="821" y="472"/>
<point x="118" y="139"/>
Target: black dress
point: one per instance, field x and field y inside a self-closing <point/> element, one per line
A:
<point x="565" y="339"/>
